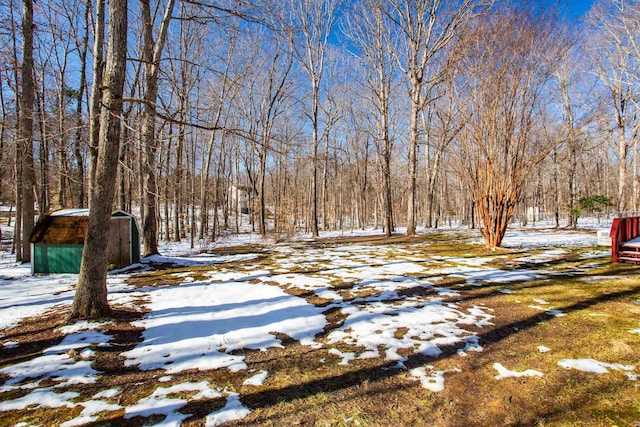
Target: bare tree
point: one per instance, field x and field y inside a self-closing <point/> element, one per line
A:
<point x="184" y="75"/>
<point x="265" y="100"/>
<point x="506" y="75"/>
<point x="91" y="292"/>
<point x="312" y="22"/>
<point x="443" y="119"/>
<point x="151" y="55"/>
<point x="425" y="28"/>
<point x="223" y="90"/>
<point x="82" y="43"/>
<point x="570" y="82"/>
<point x="369" y="29"/>
<point x="613" y="47"/>
<point x="96" y="93"/>
<point x="24" y="150"/>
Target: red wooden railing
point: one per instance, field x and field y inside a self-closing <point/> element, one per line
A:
<point x="623" y="230"/>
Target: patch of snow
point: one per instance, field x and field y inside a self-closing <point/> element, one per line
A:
<point x="71" y="212"/>
<point x="633" y="331"/>
<point x="158" y="402"/>
<point x="595" y="254"/>
<point x="90" y="411"/>
<point x="429" y="325"/>
<point x="194" y="326"/>
<point x="42" y="397"/>
<point x="57" y="362"/>
<point x="492" y="275"/>
<point x="386" y="295"/>
<point x="506" y="373"/>
<point x="346" y="356"/>
<point x="432" y="380"/>
<point x="107" y="394"/>
<point x="300" y="281"/>
<point x="543" y="349"/>
<point x="556" y="313"/>
<point x="542" y="258"/>
<point x="233" y="410"/>
<point x="443" y="292"/>
<point x="505" y="291"/>
<point x="540" y="238"/>
<point x="352" y="270"/>
<point x="540" y="301"/>
<point x="23" y="295"/>
<point x="552" y="312"/>
<point x="197" y="260"/>
<point x="257" y="379"/>
<point x="594" y="366"/>
<point x="183" y="274"/>
<point x="469" y="262"/>
<point x="472" y="344"/>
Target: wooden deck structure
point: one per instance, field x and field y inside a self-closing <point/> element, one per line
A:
<point x="625" y="240"/>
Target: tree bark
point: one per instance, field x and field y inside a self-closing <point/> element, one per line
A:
<point x="623" y="151"/>
<point x="96" y="94"/>
<point x="26" y="130"/>
<point x="91" y="292"/>
<point x="151" y="56"/>
<point x="314" y="158"/>
<point x="413" y="160"/>
<point x="79" y="161"/>
<point x="43" y="196"/>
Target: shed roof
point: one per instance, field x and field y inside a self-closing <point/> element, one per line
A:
<point x="55" y="229"/>
<point x="71" y="212"/>
<point x="66" y="226"/>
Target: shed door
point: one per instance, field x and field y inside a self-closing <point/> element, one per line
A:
<point x="119" y="242"/>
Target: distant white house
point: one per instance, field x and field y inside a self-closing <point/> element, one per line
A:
<point x="242" y="196"/>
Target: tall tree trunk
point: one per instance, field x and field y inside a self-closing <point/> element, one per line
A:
<point x="122" y="172"/>
<point x="77" y="153"/>
<point x="573" y="193"/>
<point x="17" y="232"/>
<point x="91" y="292"/>
<point x="413" y="160"/>
<point x="177" y="186"/>
<point x="167" y="196"/>
<point x="556" y="189"/>
<point x="96" y="93"/>
<point x="26" y="130"/>
<point x="325" y="183"/>
<point x="3" y="123"/>
<point x="43" y="197"/>
<point x="623" y="150"/>
<point x="314" y="162"/>
<point x="151" y="55"/>
<point x="262" y="165"/>
<point x="386" y="176"/>
<point x="204" y="184"/>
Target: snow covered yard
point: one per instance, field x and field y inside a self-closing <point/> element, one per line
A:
<point x="351" y="331"/>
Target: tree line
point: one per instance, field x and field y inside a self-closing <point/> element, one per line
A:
<point x="326" y="115"/>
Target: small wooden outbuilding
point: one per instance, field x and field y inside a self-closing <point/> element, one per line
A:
<point x="57" y="241"/>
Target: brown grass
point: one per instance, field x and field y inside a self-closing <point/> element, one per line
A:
<point x="307" y="386"/>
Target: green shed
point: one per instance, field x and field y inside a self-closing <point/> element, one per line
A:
<point x="58" y="239"/>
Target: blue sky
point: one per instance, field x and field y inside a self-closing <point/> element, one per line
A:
<point x="571" y="9"/>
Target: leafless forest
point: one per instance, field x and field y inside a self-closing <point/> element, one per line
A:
<point x="310" y="115"/>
